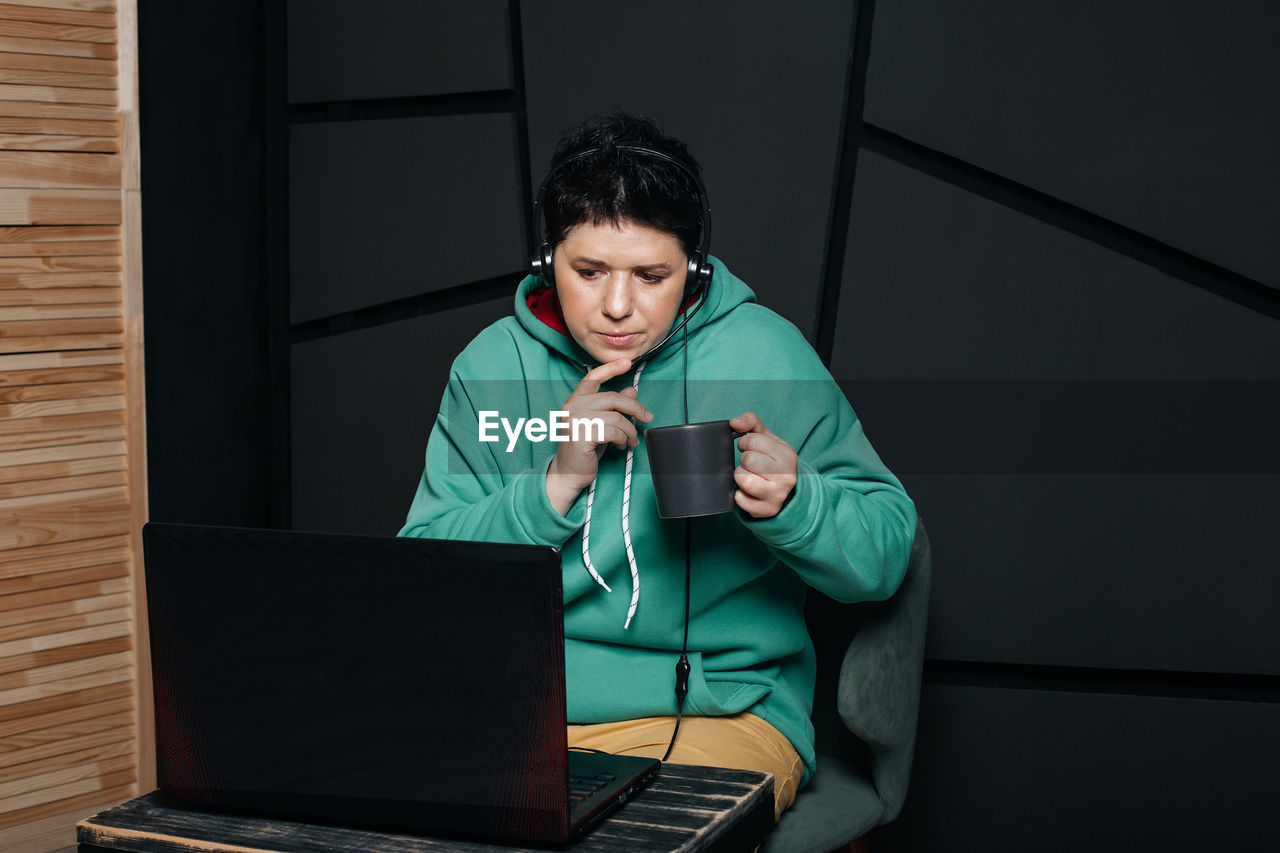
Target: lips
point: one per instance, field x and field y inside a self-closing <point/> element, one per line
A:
<point x="617" y="340"/>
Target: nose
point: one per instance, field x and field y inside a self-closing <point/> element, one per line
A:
<point x="615" y="301"/>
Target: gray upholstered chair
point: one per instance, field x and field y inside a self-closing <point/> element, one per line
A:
<point x="870" y="658"/>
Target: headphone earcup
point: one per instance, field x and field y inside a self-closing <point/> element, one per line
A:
<point x="699" y="275"/>
<point x="543" y="264"/>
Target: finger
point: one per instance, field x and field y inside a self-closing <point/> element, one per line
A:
<point x="765" y="445"/>
<point x="746" y="422"/>
<point x="618" y="430"/>
<point x="758" y="462"/>
<point x="749" y="422"/>
<point x="773" y="490"/>
<point x="783" y="456"/>
<point x="753" y="484"/>
<point x="626" y="431"/>
<point x="611" y="401"/>
<point x="600" y="374"/>
<point x="754" y="507"/>
<point x="617" y="436"/>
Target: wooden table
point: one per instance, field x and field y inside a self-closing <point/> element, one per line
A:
<point x="686" y="808"/>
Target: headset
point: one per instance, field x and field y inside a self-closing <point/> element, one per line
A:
<point x="699" y="272"/>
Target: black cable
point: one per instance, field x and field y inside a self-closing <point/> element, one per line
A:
<point x="688" y="562"/>
<point x="685" y="392"/>
<point x="682" y="665"/>
<point x="697" y="306"/>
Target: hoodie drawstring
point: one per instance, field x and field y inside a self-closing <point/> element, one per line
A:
<point x="626" y="525"/>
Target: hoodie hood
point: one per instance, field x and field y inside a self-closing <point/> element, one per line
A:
<point x="538" y="311"/>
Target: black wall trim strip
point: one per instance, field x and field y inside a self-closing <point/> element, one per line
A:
<point x="1131" y="682"/>
<point x="523" y="167"/>
<point x="275" y="147"/>
<point x="842" y="192"/>
<point x="460" y="103"/>
<point x="404" y="309"/>
<point x="1208" y="276"/>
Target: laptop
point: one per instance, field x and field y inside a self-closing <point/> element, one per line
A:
<point x="411" y="685"/>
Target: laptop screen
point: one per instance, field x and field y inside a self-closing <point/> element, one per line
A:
<point x="391" y="682"/>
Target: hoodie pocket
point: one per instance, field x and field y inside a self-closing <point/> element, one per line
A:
<point x="719" y="696"/>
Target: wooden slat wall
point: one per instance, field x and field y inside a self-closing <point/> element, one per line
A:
<point x="72" y="468"/>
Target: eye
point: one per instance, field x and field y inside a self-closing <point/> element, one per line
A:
<point x="650" y="278"/>
<point x="589" y="273"/>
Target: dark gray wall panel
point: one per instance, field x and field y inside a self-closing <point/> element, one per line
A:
<point x="941" y="284"/>
<point x="1014" y="770"/>
<point x="1066" y="421"/>
<point x="339" y="50"/>
<point x="1160" y="115"/>
<point x="381" y="210"/>
<point x="1174" y="572"/>
<point x="363" y="405"/>
<point x="754" y="88"/>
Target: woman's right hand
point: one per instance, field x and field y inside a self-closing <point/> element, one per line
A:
<point x="576" y="462"/>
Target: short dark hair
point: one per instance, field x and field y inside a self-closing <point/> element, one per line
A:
<point x="613" y="184"/>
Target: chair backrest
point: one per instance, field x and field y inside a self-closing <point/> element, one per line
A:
<point x="870" y="661"/>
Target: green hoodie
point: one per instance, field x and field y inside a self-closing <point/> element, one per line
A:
<point x="846" y="531"/>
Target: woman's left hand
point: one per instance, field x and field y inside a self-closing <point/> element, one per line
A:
<point x="766" y="475"/>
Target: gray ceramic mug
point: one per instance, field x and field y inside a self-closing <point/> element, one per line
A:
<point x="692" y="467"/>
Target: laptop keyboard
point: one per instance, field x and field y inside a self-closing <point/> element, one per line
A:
<point x="582" y="787"/>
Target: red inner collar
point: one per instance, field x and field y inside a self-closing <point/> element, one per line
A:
<point x="544" y="305"/>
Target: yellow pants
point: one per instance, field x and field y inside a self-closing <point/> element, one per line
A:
<point x="741" y="741"/>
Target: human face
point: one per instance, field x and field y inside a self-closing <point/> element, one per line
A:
<point x="619" y="287"/>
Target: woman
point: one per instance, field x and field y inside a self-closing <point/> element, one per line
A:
<point x="597" y="333"/>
